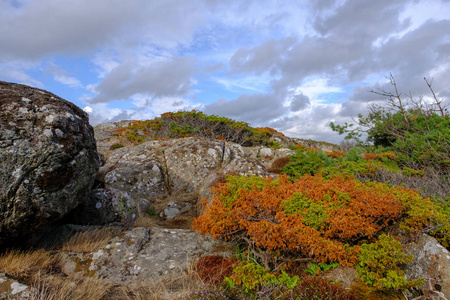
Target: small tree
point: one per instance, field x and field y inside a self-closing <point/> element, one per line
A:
<point x="416" y="129"/>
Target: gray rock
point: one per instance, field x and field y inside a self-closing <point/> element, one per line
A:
<point x="104" y="135"/>
<point x="190" y="160"/>
<point x="142" y="253"/>
<point x="267" y="155"/>
<point x="108" y="205"/>
<point x="175" y="209"/>
<point x="49" y="159"/>
<point x="156" y="169"/>
<point x="431" y="262"/>
<point x="139" y="171"/>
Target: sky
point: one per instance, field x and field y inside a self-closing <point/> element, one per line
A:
<point x="291" y="65"/>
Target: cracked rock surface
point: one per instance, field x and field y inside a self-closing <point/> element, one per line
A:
<point x="143" y="253"/>
<point x="156" y="169"/>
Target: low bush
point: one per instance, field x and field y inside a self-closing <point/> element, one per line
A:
<point x="194" y="123"/>
<point x="417" y="130"/>
<point x="324" y="219"/>
<point x="379" y="265"/>
<point x="318" y="288"/>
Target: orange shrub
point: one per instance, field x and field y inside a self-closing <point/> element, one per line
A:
<point x="312" y="216"/>
<point x="335" y="154"/>
<point x="381" y="156"/>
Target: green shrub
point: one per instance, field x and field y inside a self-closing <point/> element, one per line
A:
<point x="253" y="277"/>
<point x="417" y="131"/>
<point x="306" y="161"/>
<point x="379" y="264"/>
<point x="116" y="146"/>
<point x="194" y="123"/>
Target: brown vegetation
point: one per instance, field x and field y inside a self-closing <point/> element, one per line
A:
<point x="88" y="241"/>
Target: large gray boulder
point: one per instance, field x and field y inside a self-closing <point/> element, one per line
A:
<point x="48" y="156"/>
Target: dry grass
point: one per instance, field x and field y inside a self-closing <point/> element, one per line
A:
<point x="88" y="241"/>
<point x="433" y="184"/>
<point x="50" y="287"/>
<point x="40" y="270"/>
<point x="144" y="220"/>
<point x="23" y="265"/>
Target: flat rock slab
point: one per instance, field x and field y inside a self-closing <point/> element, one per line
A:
<point x="143" y="253"/>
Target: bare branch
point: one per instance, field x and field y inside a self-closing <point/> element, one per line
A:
<point x="437" y="102"/>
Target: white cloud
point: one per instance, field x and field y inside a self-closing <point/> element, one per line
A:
<point x="159" y="79"/>
<point x="61" y="76"/>
<point x="244" y="83"/>
<point x="315" y="88"/>
<point x="17" y="71"/>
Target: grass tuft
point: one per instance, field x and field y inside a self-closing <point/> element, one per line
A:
<point x="88" y="241"/>
<point x="23" y="265"/>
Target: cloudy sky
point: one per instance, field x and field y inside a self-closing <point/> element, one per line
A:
<point x="292" y="65"/>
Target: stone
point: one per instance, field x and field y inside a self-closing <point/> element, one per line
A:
<point x="139" y="171"/>
<point x="49" y="159"/>
<point x="432" y="263"/>
<point x="175" y="209"/>
<point x="108" y="205"/>
<point x="156" y="169"/>
<point x="12" y="289"/>
<point x="267" y="156"/>
<point x="104" y="135"/>
<point x="190" y="160"/>
<point x="141" y="253"/>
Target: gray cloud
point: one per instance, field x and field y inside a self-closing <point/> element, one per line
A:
<point x="159" y="79"/>
<point x="362" y="20"/>
<point x="356" y="40"/>
<point x="299" y="102"/>
<point x="261" y="58"/>
<point x="256" y="109"/>
<point x="52" y="27"/>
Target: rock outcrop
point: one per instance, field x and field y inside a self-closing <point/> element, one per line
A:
<point x="141" y="253"/>
<point x="49" y="159"/>
<point x="432" y="263"/>
<point x="159" y="169"/>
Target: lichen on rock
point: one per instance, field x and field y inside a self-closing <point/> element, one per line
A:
<point x="49" y="159"/>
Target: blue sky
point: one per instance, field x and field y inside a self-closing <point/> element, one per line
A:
<point x="291" y="65"/>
